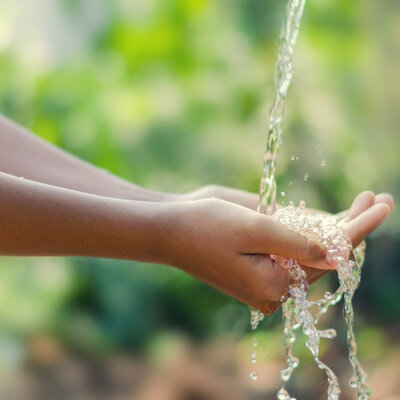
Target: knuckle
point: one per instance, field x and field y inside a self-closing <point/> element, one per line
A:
<point x="309" y="250"/>
<point x="368" y="194"/>
<point x="301" y="248"/>
<point x="213" y="190"/>
<point x="317" y="251"/>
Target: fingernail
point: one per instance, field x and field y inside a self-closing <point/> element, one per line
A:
<point x="330" y="261"/>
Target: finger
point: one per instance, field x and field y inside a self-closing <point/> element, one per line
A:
<point x="245" y="199"/>
<point x="385" y="198"/>
<point x="361" y="203"/>
<point x="379" y="198"/>
<point x="276" y="238"/>
<point x="274" y="276"/>
<point x="255" y="280"/>
<point x="364" y="223"/>
<point x="341" y="215"/>
<point x="360" y="227"/>
<point x="237" y="196"/>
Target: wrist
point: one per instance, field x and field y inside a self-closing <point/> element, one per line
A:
<point x="173" y="222"/>
<point x="129" y="191"/>
<point x="153" y="233"/>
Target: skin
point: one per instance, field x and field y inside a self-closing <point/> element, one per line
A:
<point x="66" y="207"/>
<point x="25" y="154"/>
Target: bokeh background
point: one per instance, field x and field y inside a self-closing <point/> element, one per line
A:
<point x="173" y="95"/>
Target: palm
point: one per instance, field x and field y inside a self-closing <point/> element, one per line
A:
<point x="365" y="214"/>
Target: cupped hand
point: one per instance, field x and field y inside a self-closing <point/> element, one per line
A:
<point x="228" y="246"/>
<point x="359" y="223"/>
<point x="366" y="213"/>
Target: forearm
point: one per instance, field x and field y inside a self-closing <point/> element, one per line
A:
<point x="38" y="219"/>
<point x="24" y="154"/>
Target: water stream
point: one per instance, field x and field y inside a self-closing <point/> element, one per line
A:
<point x="297" y="309"/>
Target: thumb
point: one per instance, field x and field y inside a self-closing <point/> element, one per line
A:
<point x="278" y="239"/>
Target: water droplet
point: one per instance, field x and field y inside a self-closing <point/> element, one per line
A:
<point x="305" y="177"/>
<point x="285" y="374"/>
<point x="353" y="382"/>
<point x="254" y="357"/>
<point x="323" y="163"/>
<point x="328" y="295"/>
<point x="254" y="376"/>
<point x="283" y="394"/>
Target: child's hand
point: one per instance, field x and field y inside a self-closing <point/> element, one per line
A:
<point x="228" y="246"/>
<point x="365" y="214"/>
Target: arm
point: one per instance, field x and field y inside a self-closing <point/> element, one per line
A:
<point x="24" y="154"/>
<point x="38" y="219"/>
<point x="212" y="240"/>
<point x="223" y="244"/>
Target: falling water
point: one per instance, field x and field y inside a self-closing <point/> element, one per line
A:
<point x="282" y="79"/>
<point x="296" y="310"/>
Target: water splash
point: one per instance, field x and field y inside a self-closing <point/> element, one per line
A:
<point x="296" y="310"/>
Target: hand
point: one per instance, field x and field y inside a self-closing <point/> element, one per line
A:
<point x="365" y="214"/>
<point x="236" y="196"/>
<point x="228" y="247"/>
<point x="358" y="229"/>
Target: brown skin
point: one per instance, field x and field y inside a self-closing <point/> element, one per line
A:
<point x="25" y="154"/>
<point x="228" y="247"/>
<point x="222" y="243"/>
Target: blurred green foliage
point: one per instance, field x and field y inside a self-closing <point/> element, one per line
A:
<point x="174" y="94"/>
